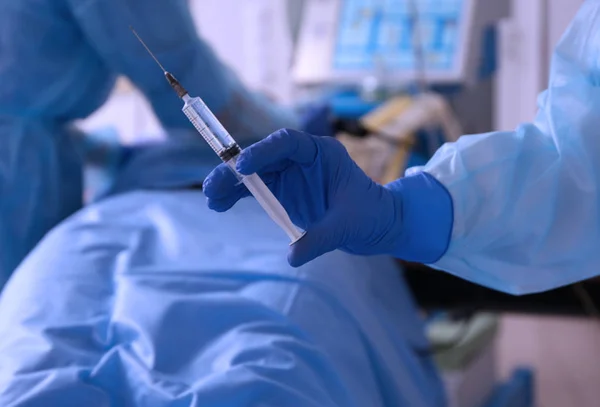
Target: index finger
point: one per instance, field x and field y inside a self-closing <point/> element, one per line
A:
<point x="282" y="145"/>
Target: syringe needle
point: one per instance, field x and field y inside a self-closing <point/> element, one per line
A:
<point x="179" y="89"/>
<point x="147" y="49"/>
<point x="228" y="150"/>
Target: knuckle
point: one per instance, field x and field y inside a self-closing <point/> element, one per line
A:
<point x="281" y="134"/>
<point x="333" y="145"/>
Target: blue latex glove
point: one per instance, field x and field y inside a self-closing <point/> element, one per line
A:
<point x="316" y="119"/>
<point x="339" y="206"/>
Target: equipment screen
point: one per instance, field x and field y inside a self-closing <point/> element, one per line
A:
<point x="379" y="33"/>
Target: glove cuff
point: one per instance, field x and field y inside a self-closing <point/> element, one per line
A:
<point x="426" y="216"/>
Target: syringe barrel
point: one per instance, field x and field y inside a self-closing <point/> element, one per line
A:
<point x="207" y="124"/>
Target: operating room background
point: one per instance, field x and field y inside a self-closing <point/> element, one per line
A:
<point x="258" y="44"/>
<point x="563" y="351"/>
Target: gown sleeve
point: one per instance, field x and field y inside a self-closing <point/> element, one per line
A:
<point x="526" y="202"/>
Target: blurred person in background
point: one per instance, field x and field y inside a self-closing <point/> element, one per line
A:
<point x="59" y="61"/>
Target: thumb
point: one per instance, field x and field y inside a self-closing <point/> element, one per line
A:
<point x="321" y="238"/>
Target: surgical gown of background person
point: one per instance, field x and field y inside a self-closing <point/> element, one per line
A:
<point x="527" y="202"/>
<point x="59" y="60"/>
<point x="149" y="299"/>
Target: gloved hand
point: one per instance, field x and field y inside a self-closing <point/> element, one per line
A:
<point x="316" y="119"/>
<point x="329" y="196"/>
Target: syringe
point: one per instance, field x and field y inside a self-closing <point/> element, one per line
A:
<point x="228" y="150"/>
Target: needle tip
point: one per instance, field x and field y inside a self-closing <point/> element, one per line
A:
<point x="148" y="49"/>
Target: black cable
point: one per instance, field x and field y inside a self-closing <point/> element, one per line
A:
<point x="587" y="302"/>
<point x="356" y="129"/>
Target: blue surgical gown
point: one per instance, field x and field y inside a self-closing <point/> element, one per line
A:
<point x="150" y="299"/>
<point x="59" y="60"/>
<point x="527" y="202"/>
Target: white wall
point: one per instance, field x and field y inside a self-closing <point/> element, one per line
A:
<point x="521" y="63"/>
<point x="560" y="14"/>
<point x="526" y="44"/>
<point x="257" y="42"/>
